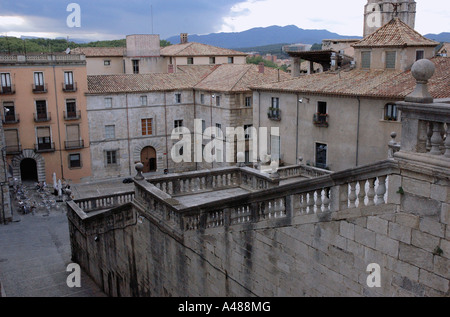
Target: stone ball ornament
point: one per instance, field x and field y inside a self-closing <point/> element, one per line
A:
<point x="423" y="70"/>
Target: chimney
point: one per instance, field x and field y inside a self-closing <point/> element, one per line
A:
<point x="183" y="38"/>
<point x="334" y="62"/>
<point x="261" y="68"/>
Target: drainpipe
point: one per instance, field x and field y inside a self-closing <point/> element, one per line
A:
<point x="3" y="184"/>
<point x="128" y="135"/>
<point x="195" y="117"/>
<point x="357" y="131"/>
<point x="57" y="121"/>
<point x="296" y="137"/>
<point x="165" y="127"/>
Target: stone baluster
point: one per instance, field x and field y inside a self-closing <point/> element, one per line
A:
<point x="318" y="201"/>
<point x="303" y="203"/>
<point x="447" y="142"/>
<point x="381" y="190"/>
<point x="310" y="204"/>
<point x="436" y="139"/>
<point x="326" y="200"/>
<point x="371" y="192"/>
<point x="361" y="193"/>
<point x="297" y="203"/>
<point x="352" y="196"/>
<point x="343" y="197"/>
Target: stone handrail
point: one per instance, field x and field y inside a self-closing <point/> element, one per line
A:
<point x="208" y="180"/>
<point x="91" y="204"/>
<point x="302" y="170"/>
<point x="356" y="188"/>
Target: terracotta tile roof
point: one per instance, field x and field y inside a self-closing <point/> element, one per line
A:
<point x="395" y="33"/>
<point x="238" y="78"/>
<point x="114" y="84"/>
<point x="100" y="51"/>
<point x="197" y="49"/>
<point x="391" y="84"/>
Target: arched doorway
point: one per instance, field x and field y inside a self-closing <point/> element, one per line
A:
<point x="148" y="158"/>
<point x="28" y="170"/>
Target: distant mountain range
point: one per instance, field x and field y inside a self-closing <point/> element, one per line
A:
<point x="276" y="34"/>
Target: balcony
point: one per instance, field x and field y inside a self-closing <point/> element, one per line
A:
<point x="72" y="115"/>
<point x="13" y="149"/>
<point x="44" y="147"/>
<point x="274" y="114"/>
<point x="7" y="90"/>
<point x="320" y="120"/>
<point x="39" y="89"/>
<point x="11" y="119"/>
<point x="73" y="145"/>
<point x="69" y="87"/>
<point x="42" y="117"/>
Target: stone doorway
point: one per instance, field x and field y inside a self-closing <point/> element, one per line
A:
<point x="28" y="170"/>
<point x="148" y="158"/>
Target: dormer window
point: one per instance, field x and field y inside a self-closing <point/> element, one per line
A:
<point x="420" y="55"/>
<point x="366" y="60"/>
<point x="391" y="58"/>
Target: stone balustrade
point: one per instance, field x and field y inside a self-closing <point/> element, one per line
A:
<point x="218" y="179"/>
<point x="332" y="192"/>
<point x="104" y="202"/>
<point x="41" y="58"/>
<point x="302" y="170"/>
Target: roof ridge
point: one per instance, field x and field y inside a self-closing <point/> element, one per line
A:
<point x="249" y="67"/>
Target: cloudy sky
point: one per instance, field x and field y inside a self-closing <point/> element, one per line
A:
<point x="107" y="19"/>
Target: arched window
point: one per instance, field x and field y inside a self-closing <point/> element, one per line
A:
<point x="391" y="112"/>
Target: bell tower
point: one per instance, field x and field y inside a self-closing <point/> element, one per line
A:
<point x="379" y="12"/>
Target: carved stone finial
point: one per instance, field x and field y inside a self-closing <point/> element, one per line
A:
<point x="422" y="71"/>
<point x="139" y="168"/>
<point x="240" y="159"/>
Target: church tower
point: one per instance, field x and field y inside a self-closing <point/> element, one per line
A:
<point x="379" y="12"/>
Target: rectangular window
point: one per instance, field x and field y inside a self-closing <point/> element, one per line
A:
<point x="6" y="82"/>
<point x="212" y="60"/>
<point x="9" y="112"/>
<point x="110" y="132"/>
<point x="420" y="55"/>
<point x="178" y="124"/>
<point x="107" y="62"/>
<point x="71" y="109"/>
<point x="275" y="103"/>
<point x="248" y="131"/>
<point x="75" y="160"/>
<point x="219" y="132"/>
<point x="73" y="137"/>
<point x="248" y="101"/>
<point x="190" y="61"/>
<point x="322" y="107"/>
<point x="391" y="59"/>
<point x="135" y="66"/>
<point x="39" y="82"/>
<point x="202" y="99"/>
<point x="366" y="60"/>
<point x="111" y="157"/>
<point x="12" y="141"/>
<point x="177" y="98"/>
<point x="43" y="138"/>
<point x="147" y="126"/>
<point x="321" y="155"/>
<point x="143" y="100"/>
<point x="108" y="102"/>
<point x="41" y="110"/>
<point x="218" y="101"/>
<point x="68" y="81"/>
<point x="390" y="112"/>
<point x="230" y="60"/>
<point x="203" y="126"/>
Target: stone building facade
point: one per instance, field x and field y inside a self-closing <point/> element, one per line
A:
<point x="133" y="116"/>
<point x="377" y="230"/>
<point x="44" y="116"/>
<point x="5" y="202"/>
<point x="341" y="119"/>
